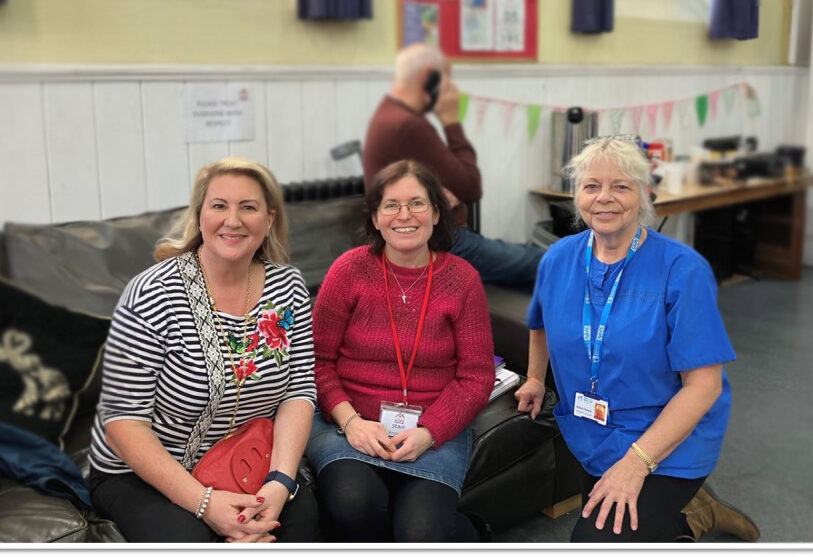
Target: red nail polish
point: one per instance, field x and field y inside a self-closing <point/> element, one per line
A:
<point x="241" y="519"/>
<point x="260" y="499"/>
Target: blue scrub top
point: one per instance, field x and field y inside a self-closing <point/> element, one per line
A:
<point x="664" y="320"/>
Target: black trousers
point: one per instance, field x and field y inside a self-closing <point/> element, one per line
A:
<point x="659" y="517"/>
<point x="365" y="503"/>
<point x="144" y="515"/>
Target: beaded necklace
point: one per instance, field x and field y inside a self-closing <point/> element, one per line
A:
<point x="239" y="380"/>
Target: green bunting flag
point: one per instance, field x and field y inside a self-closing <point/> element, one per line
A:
<point x="729" y="96"/>
<point x="701" y="103"/>
<point x="616" y="116"/>
<point x="534" y="111"/>
<point x="464" y="106"/>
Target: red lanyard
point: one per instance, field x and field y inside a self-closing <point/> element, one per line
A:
<point x="405" y="374"/>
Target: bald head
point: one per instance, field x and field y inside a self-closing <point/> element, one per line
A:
<point x="411" y="62"/>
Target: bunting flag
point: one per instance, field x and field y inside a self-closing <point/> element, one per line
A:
<point x="714" y="96"/>
<point x="752" y="106"/>
<point x="533" y="112"/>
<point x="480" y="106"/>
<point x="705" y="106"/>
<point x="637" y="112"/>
<point x="668" y="106"/>
<point x="507" y="114"/>
<point x="683" y="112"/>
<point x="652" y="117"/>
<point x="701" y="104"/>
<point x="616" y="116"/>
<point x="729" y="96"/>
<point x="464" y="107"/>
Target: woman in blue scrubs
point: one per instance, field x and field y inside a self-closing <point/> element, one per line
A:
<point x="629" y="320"/>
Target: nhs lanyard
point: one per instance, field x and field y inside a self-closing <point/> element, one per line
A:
<point x="594" y="349"/>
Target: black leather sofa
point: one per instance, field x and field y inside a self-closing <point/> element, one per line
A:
<point x="519" y="466"/>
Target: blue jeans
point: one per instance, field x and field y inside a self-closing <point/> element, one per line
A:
<point x="497" y="261"/>
<point x="446" y="464"/>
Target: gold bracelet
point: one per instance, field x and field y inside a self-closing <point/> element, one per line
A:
<point x="651" y="464"/>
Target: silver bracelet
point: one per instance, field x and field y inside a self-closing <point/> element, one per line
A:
<point x="342" y="429"/>
<point x="204" y="503"/>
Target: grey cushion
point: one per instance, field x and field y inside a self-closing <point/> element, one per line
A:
<point x="86" y="265"/>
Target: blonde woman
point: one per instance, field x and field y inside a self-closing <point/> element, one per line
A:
<point x="222" y="282"/>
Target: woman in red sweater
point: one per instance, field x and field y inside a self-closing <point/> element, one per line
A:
<point x="404" y="362"/>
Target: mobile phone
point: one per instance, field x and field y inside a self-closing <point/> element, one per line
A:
<point x="432" y="88"/>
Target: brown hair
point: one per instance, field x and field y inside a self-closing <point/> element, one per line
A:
<point x="441" y="239"/>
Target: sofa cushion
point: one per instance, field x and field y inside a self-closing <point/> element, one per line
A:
<point x="48" y="355"/>
<point x="84" y="265"/>
<point x="320" y="231"/>
<point x="29" y="516"/>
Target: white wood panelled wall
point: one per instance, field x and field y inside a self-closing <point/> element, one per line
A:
<point x="99" y="142"/>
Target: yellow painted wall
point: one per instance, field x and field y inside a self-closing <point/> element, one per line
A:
<point x="249" y="32"/>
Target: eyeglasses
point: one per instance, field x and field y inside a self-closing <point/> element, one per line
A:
<point x="414" y="206"/>
<point x="625" y="137"/>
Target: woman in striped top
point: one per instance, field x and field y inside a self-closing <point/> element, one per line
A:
<point x="215" y="334"/>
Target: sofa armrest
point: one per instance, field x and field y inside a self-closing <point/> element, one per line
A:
<point x="29" y="516"/>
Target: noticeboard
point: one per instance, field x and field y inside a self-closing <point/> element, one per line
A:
<point x="471" y="29"/>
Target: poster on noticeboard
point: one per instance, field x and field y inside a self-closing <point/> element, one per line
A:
<point x="471" y="29"/>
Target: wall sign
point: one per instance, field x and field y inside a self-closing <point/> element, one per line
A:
<point x="218" y="112"/>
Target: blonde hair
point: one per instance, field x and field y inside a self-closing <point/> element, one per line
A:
<point x="186" y="236"/>
<point x="625" y="155"/>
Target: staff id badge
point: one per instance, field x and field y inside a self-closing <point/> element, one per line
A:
<point x="592" y="407"/>
<point x="397" y="417"/>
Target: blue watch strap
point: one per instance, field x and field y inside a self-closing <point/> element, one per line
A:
<point x="289" y="483"/>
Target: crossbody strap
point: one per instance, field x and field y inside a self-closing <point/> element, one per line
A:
<point x="195" y="287"/>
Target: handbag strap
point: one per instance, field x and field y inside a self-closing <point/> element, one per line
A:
<point x="195" y="288"/>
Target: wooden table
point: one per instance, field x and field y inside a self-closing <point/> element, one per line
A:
<point x="779" y="250"/>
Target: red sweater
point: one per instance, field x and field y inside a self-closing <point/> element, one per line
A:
<point x="397" y="132"/>
<point x="453" y="373"/>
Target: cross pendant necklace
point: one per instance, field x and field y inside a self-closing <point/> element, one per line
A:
<point x="404" y="292"/>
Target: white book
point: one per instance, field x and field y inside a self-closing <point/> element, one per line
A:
<point x="504" y="380"/>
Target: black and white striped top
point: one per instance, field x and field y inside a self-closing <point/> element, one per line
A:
<point x="154" y="368"/>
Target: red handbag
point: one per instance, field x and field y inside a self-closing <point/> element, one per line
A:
<point x="239" y="462"/>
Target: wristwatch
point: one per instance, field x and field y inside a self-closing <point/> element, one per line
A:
<point x="289" y="483"/>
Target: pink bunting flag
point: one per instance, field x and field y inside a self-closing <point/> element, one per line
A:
<point x="637" y="112"/>
<point x="714" y="96"/>
<point x="652" y="117"/>
<point x="507" y="114"/>
<point x="668" y="106"/>
<point x="480" y="106"/>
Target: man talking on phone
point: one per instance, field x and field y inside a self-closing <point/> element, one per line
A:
<point x="399" y="129"/>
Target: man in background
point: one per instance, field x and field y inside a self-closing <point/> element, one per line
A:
<point x="399" y="129"/>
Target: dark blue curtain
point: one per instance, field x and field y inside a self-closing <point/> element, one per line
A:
<point x="734" y="19"/>
<point x="335" y="9"/>
<point x="592" y="16"/>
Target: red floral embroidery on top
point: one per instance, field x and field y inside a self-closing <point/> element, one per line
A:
<point x="244" y="369"/>
<point x="273" y="326"/>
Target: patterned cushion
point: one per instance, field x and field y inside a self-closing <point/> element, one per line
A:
<point x="48" y="356"/>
